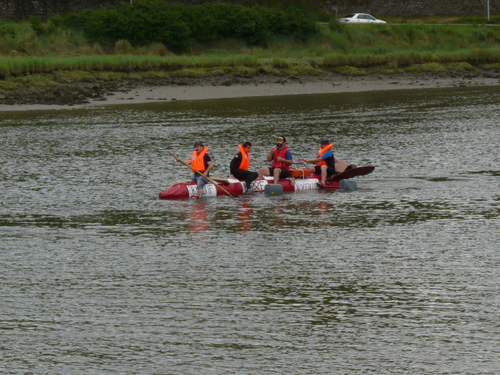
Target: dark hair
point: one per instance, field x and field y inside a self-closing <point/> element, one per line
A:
<point x="246" y="144"/>
<point x="198" y="144"/>
<point x="325" y="142"/>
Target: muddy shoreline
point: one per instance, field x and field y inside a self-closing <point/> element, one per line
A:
<point x="77" y="95"/>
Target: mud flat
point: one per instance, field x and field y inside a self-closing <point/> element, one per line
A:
<point x="80" y="95"/>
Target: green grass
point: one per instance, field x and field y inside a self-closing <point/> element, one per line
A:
<point x="63" y="55"/>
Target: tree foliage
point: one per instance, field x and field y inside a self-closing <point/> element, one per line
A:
<point x="178" y="26"/>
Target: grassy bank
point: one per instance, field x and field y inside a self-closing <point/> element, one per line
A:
<point x="36" y="54"/>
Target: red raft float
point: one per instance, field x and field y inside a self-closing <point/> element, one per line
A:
<point x="187" y="189"/>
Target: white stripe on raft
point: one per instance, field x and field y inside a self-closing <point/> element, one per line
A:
<point x="238" y="187"/>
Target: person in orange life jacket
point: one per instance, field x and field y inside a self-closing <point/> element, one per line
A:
<point x="202" y="162"/>
<point x="325" y="162"/>
<point x="281" y="157"/>
<point x="240" y="163"/>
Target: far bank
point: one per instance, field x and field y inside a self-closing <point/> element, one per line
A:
<point x="130" y="92"/>
<point x="62" y="67"/>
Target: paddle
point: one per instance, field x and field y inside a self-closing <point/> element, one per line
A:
<point x="201" y="174"/>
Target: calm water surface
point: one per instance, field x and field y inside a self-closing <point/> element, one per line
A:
<point x="402" y="276"/>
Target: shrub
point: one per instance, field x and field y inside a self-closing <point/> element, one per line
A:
<point x="156" y="49"/>
<point x="123" y="47"/>
<point x="178" y="26"/>
<point x="336" y="26"/>
<point x="37" y="26"/>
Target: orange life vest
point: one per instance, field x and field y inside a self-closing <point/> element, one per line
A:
<point x="197" y="161"/>
<point x="245" y="158"/>
<point x="321" y="152"/>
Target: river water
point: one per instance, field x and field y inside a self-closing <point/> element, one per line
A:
<point x="402" y="276"/>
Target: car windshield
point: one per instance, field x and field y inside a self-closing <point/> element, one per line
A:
<point x="368" y="17"/>
<point x="350" y="15"/>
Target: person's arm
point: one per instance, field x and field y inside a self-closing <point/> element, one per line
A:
<point x="325" y="156"/>
<point x="235" y="162"/>
<point x="182" y="161"/>
<point x="208" y="163"/>
<point x="209" y="167"/>
<point x="313" y="161"/>
<point x="270" y="156"/>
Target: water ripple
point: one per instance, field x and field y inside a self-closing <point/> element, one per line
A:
<point x="98" y="276"/>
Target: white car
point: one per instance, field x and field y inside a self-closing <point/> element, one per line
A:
<point x="359" y="18"/>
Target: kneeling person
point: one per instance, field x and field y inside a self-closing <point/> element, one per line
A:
<point x="325" y="162"/>
<point x="240" y="163"/>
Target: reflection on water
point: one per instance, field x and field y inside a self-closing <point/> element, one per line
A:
<point x="245" y="215"/>
<point x="400" y="276"/>
<point x="198" y="219"/>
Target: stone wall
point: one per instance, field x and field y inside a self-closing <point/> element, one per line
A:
<point x="23" y="9"/>
<point x="414" y="8"/>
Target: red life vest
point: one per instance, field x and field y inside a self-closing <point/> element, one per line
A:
<point x="197" y="161"/>
<point x="280" y="153"/>
<point x="321" y="152"/>
<point x="245" y="158"/>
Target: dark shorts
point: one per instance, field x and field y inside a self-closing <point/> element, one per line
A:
<point x="245" y="175"/>
<point x="330" y="171"/>
<point x="242" y="174"/>
<point x="283" y="174"/>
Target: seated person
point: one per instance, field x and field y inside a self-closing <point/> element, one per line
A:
<point x="239" y="166"/>
<point x="282" y="160"/>
<point x="325" y="162"/>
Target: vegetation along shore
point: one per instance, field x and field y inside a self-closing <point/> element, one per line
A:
<point x="74" y="58"/>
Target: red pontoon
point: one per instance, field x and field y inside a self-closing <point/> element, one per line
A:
<point x="187" y="189"/>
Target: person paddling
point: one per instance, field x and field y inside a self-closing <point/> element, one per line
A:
<point x="200" y="161"/>
<point x="282" y="159"/>
<point x="325" y="162"/>
<point x="239" y="166"/>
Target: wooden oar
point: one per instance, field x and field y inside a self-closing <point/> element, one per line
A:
<point x="201" y="174"/>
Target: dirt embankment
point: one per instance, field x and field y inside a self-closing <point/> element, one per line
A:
<point x="153" y="90"/>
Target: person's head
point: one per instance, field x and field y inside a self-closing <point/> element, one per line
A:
<point x="280" y="141"/>
<point x="198" y="146"/>
<point x="247" y="146"/>
<point x="324" y="143"/>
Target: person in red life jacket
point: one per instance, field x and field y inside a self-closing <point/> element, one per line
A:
<point x="239" y="166"/>
<point x="200" y="161"/>
<point x="282" y="159"/>
<point x="325" y="162"/>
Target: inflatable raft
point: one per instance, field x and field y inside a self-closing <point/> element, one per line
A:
<point x="186" y="189"/>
